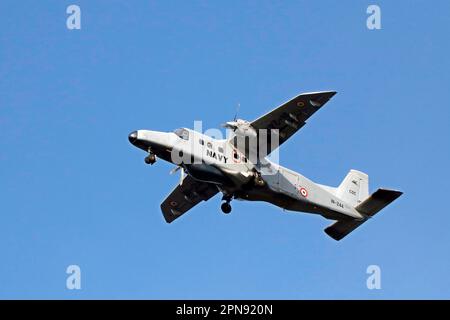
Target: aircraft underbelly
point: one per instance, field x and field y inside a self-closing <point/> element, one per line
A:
<point x="212" y="174"/>
<point x="287" y="202"/>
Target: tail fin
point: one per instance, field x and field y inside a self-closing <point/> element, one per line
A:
<point x="354" y="189"/>
<point x="377" y="201"/>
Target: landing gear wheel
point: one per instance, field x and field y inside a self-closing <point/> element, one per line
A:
<point x="259" y="181"/>
<point x="226" y="207"/>
<point x="150" y="159"/>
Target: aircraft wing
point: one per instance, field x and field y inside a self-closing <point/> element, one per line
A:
<point x="186" y="196"/>
<point x="292" y="115"/>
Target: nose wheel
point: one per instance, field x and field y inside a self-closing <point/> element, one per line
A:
<point x="150" y="159"/>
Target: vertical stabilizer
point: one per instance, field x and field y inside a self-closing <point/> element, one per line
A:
<point x="354" y="189"/>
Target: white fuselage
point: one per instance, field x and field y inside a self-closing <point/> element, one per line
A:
<point x="221" y="163"/>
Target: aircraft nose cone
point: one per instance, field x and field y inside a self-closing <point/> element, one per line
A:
<point x="132" y="137"/>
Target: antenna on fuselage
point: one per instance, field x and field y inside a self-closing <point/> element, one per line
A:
<point x="237" y="111"/>
<point x="232" y="124"/>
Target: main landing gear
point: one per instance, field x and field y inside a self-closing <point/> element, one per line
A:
<point x="226" y="207"/>
<point x="259" y="182"/>
<point x="151" y="158"/>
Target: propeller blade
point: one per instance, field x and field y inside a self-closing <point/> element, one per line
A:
<point x="174" y="170"/>
<point x="229" y="125"/>
<point x="181" y="176"/>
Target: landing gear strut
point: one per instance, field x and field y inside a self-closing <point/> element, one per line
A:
<point x="226" y="207"/>
<point x="151" y="158"/>
<point x="259" y="180"/>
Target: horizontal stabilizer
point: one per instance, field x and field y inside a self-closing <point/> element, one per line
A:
<point x="377" y="201"/>
<point x="340" y="229"/>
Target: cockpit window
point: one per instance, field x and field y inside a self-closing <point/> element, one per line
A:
<point x="182" y="133"/>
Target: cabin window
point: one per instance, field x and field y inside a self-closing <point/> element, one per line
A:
<point x="220" y="149"/>
<point x="182" y="133"/>
<point x="201" y="141"/>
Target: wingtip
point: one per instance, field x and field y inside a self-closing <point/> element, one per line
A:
<point x="331" y="94"/>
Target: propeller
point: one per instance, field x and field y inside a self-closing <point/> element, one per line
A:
<point x="182" y="174"/>
<point x="230" y="125"/>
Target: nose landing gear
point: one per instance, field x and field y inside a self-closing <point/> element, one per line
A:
<point x="151" y="158"/>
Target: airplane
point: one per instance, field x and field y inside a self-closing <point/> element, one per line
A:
<point x="239" y="170"/>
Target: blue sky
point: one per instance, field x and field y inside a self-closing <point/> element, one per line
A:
<point x="74" y="191"/>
